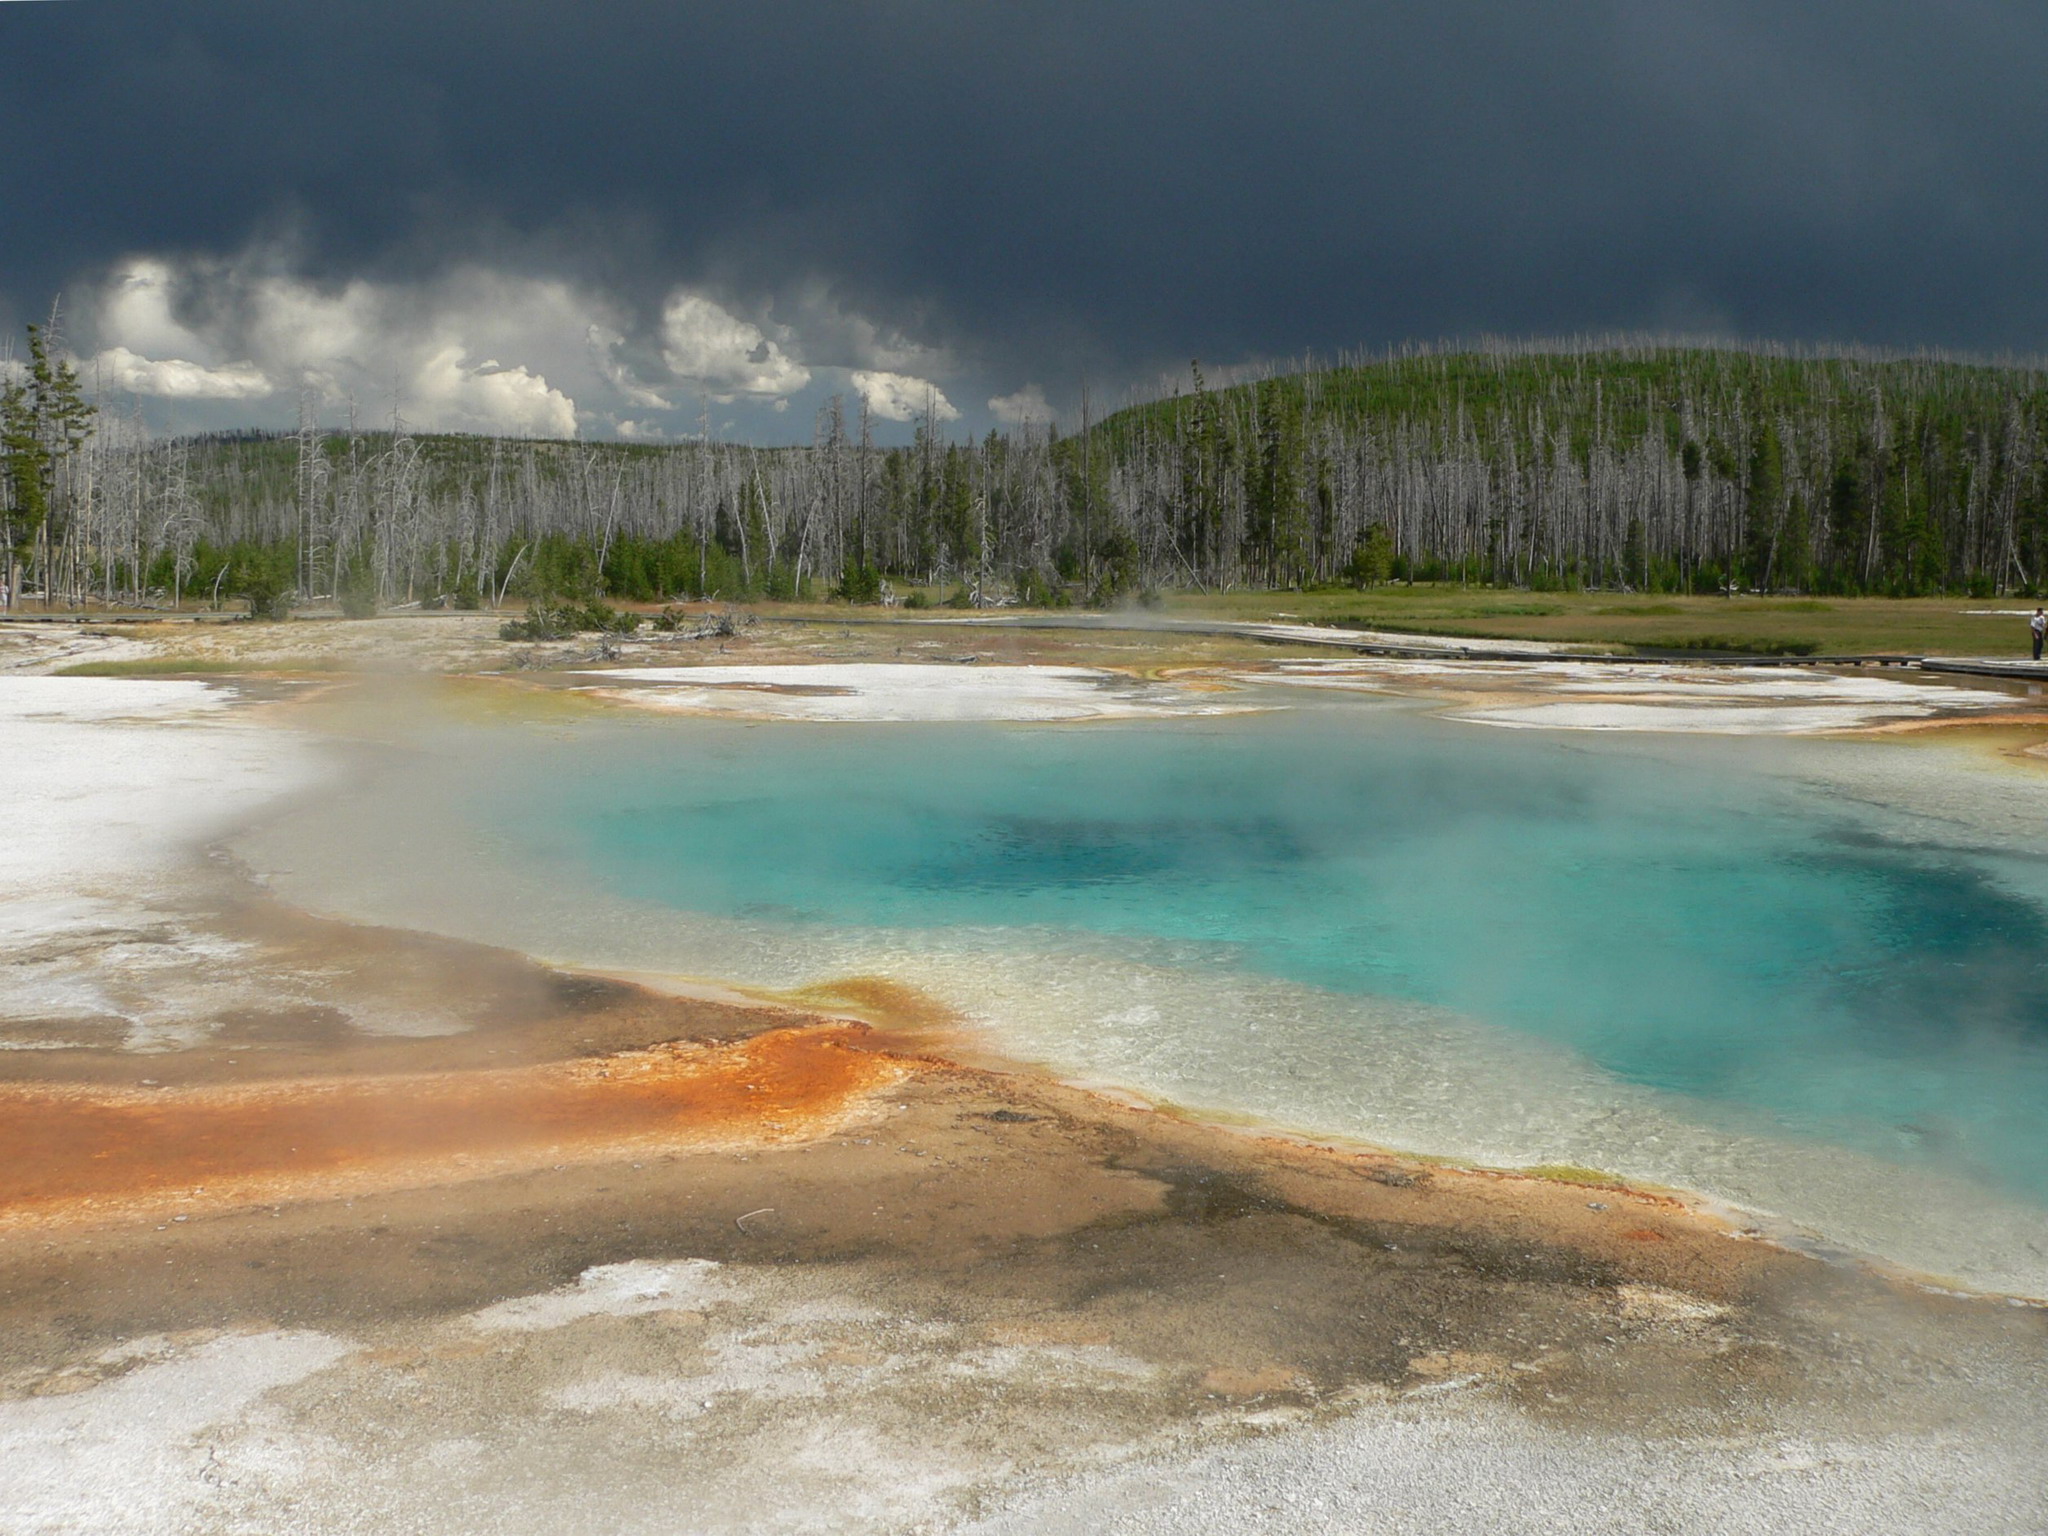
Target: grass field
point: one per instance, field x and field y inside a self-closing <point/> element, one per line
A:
<point x="1932" y="626"/>
<point x="1834" y="626"/>
<point x="150" y="666"/>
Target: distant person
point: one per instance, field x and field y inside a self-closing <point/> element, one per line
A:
<point x="2038" y="625"/>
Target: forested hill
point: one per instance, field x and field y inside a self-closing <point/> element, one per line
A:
<point x="1662" y="468"/>
<point x="1670" y="469"/>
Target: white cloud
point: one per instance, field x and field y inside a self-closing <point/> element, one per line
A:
<point x="173" y="378"/>
<point x="707" y="345"/>
<point x="1026" y="405"/>
<point x="604" y="355"/>
<point x="842" y="338"/>
<point x="136" y="311"/>
<point x="479" y="349"/>
<point x="450" y="394"/>
<point x="323" y="337"/>
<point x="900" y="396"/>
<point x="414" y="345"/>
<point x="136" y="314"/>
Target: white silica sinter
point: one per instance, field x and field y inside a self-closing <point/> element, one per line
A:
<point x="113" y="777"/>
<point x="902" y="692"/>
<point x="1595" y="696"/>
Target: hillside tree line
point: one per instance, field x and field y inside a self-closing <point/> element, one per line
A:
<point x="1641" y="467"/>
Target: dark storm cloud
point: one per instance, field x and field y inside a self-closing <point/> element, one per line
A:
<point x="1042" y="189"/>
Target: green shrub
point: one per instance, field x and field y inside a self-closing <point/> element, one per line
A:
<point x="262" y="576"/>
<point x="358" y="587"/>
<point x="1035" y="590"/>
<point x="1119" y="569"/>
<point x="860" y="584"/>
<point x="559" y="621"/>
<point x="1372" y="562"/>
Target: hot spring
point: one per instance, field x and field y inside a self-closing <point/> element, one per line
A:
<point x="1806" y="977"/>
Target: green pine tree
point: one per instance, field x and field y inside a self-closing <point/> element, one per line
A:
<point x="1765" y="497"/>
<point x="44" y="420"/>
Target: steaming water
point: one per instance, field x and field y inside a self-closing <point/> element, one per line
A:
<point x="1810" y="978"/>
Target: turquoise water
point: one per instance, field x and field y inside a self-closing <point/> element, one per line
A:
<point x="1685" y="925"/>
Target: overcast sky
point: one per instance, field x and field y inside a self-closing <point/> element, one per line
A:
<point x="626" y="218"/>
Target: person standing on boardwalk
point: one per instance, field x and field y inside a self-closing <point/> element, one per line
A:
<point x="2038" y="624"/>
